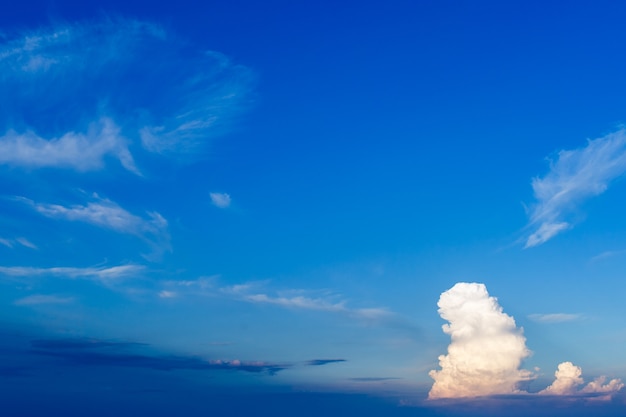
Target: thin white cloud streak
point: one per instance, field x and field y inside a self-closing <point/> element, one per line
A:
<point x="245" y="292"/>
<point x="221" y="200"/>
<point x="9" y="243"/>
<point x="79" y="151"/>
<point x="58" y="81"/>
<point x="607" y="254"/>
<point x="42" y="299"/>
<point x="252" y="292"/>
<point x="568" y="377"/>
<point x="486" y="348"/>
<point x="554" y="317"/>
<point x="107" y="214"/>
<point x="26" y="243"/>
<point x="102" y="274"/>
<point x="574" y="176"/>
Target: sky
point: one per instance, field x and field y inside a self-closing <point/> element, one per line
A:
<point x="409" y="208"/>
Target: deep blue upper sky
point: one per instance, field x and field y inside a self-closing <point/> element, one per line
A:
<point x="260" y="197"/>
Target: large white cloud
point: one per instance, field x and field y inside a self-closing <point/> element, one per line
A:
<point x="487" y="348"/>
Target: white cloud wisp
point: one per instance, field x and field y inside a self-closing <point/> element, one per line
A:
<point x="67" y="101"/>
<point x="574" y="176"/>
<point x="80" y="151"/>
<point x="107" y="214"/>
<point x="104" y="275"/>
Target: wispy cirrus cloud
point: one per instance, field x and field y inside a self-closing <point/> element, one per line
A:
<point x="574" y="176"/>
<point x="39" y="299"/>
<point x="107" y="214"/>
<point x="300" y="300"/>
<point x="10" y="243"/>
<point x="101" y="274"/>
<point x="67" y="101"/>
<point x="554" y="317"/>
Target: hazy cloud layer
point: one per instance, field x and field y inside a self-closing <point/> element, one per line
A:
<point x="93" y="352"/>
<point x="574" y="176"/>
<point x="74" y="95"/>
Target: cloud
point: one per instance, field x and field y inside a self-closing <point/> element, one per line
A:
<point x="554" y="317"/>
<point x="373" y="379"/>
<point x="20" y="240"/>
<point x="67" y="101"/>
<point x="221" y="200"/>
<point x="94" y="352"/>
<point x="103" y="274"/>
<point x="294" y="300"/>
<point x="574" y="176"/>
<point x="109" y="215"/>
<point x="79" y="151"/>
<point x="38" y="299"/>
<point x="321" y="362"/>
<point x="568" y="377"/>
<point x="486" y="350"/>
<point x="26" y="243"/>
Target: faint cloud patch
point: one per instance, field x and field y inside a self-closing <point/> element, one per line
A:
<point x="221" y="200"/>
<point x="105" y="275"/>
<point x="554" y="317"/>
<point x="39" y="299"/>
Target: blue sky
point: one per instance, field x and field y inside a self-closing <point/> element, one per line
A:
<point x="276" y="201"/>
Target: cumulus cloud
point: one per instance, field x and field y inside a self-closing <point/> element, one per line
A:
<point x="66" y="101"/>
<point x="221" y="200"/>
<point x="487" y="348"/>
<point x="107" y="214"/>
<point x="568" y="377"/>
<point x="574" y="176"/>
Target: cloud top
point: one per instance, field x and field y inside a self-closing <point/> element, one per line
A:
<point x="574" y="176"/>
